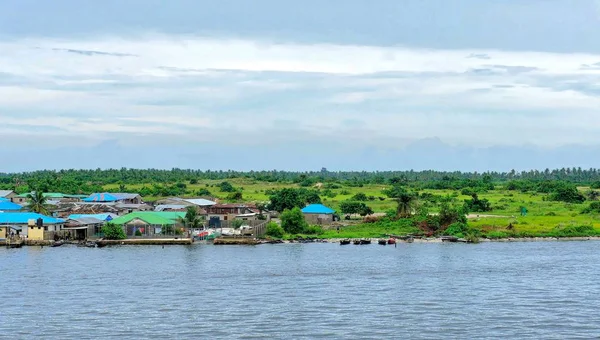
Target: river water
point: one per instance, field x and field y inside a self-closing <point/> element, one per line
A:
<point x="547" y="290"/>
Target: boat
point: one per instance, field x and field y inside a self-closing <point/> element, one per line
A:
<point x="344" y="242"/>
<point x="391" y="241"/>
<point x="357" y="242"/>
<point x="57" y="244"/>
<point x="365" y="241"/>
<point x="382" y="242"/>
<point x="449" y="239"/>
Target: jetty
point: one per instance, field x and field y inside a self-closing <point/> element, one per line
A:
<point x="235" y="241"/>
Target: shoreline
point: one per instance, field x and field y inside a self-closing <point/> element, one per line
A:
<point x="180" y="241"/>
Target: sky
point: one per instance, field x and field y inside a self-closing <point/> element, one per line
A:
<point x="464" y="85"/>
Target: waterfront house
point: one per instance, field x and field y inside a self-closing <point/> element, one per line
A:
<point x="106" y="197"/>
<point x="230" y="211"/>
<point x="7" y="230"/>
<point x="7" y="205"/>
<point x="82" y="228"/>
<point x="318" y="214"/>
<point x="150" y="223"/>
<point x="34" y="226"/>
<point x="7" y="194"/>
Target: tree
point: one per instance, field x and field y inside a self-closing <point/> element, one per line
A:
<point x="191" y="220"/>
<point x="274" y="230"/>
<point x="292" y="221"/>
<point x="567" y="193"/>
<point x="193" y="181"/>
<point x="113" y="231"/>
<point x="290" y="198"/>
<point x="204" y="192"/>
<point x="226" y="187"/>
<point x="404" y="198"/>
<point x="360" y="197"/>
<point x="237" y="224"/>
<point x="477" y="205"/>
<point x="235" y="196"/>
<point x="352" y="207"/>
<point x="37" y="202"/>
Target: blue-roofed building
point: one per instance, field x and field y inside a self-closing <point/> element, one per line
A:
<point x="103" y="217"/>
<point x="28" y="222"/>
<point x="107" y="197"/>
<point x="7" y="205"/>
<point x="318" y="214"/>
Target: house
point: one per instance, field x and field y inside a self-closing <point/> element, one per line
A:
<point x="7" y="194"/>
<point x="181" y="204"/>
<point x="82" y="228"/>
<point x="102" y="217"/>
<point x="34" y="226"/>
<point x="150" y="222"/>
<point x="7" y="230"/>
<point x="318" y="214"/>
<point x="123" y="198"/>
<point x="219" y="215"/>
<point x="52" y="198"/>
<point x="7" y="205"/>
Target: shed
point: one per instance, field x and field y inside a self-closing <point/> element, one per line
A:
<point x="318" y="214"/>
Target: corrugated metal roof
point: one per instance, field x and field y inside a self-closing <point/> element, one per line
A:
<point x="8" y="205"/>
<point x="85" y="220"/>
<point x="110" y="197"/>
<point x="317" y="209"/>
<point x="23" y="218"/>
<point x="103" y="217"/>
<point x="4" y="193"/>
<point x="163" y="207"/>
<point x="151" y="217"/>
<point x="200" y="202"/>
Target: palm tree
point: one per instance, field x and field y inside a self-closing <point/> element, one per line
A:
<point x="191" y="220"/>
<point x="38" y="203"/>
<point x="405" y="200"/>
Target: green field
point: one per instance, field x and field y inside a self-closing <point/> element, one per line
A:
<point x="544" y="217"/>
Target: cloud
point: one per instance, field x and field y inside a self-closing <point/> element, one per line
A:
<point x="198" y="89"/>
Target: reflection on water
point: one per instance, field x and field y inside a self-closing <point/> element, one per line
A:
<point x="507" y="290"/>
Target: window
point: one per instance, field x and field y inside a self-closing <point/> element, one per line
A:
<point x="45" y="228"/>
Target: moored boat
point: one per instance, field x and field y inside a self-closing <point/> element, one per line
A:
<point x="391" y="241"/>
<point x="365" y="241"/>
<point x="344" y="242"/>
<point x="382" y="242"/>
<point x="357" y="242"/>
<point x="57" y="243"/>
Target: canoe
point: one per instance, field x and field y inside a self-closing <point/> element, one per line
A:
<point x="391" y="241"/>
<point x="344" y="242"/>
<point x="57" y="244"/>
<point x="357" y="242"/>
<point x="365" y="241"/>
<point x="382" y="242"/>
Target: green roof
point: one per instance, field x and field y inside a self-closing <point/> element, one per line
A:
<point x="151" y="217"/>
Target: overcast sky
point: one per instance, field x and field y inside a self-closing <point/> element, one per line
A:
<point x="271" y="84"/>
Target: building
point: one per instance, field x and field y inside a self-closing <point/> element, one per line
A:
<point x="6" y="231"/>
<point x="52" y="197"/>
<point x="33" y="226"/>
<point x="181" y="204"/>
<point x="230" y="211"/>
<point x="318" y="214"/>
<point x="150" y="223"/>
<point x="82" y="228"/>
<point x="7" y="194"/>
<point x="102" y="217"/>
<point x="7" y="205"/>
<point x="123" y="198"/>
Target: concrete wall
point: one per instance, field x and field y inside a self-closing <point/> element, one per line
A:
<point x="35" y="233"/>
<point x="319" y="219"/>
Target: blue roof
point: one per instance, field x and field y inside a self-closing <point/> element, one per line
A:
<point x="101" y="197"/>
<point x="317" y="209"/>
<point x="23" y="218"/>
<point x="102" y="217"/>
<point x="2" y="199"/>
<point x="8" y="205"/>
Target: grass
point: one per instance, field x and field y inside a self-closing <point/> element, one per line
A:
<point x="544" y="218"/>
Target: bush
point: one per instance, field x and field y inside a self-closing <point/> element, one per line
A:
<point x="193" y="181"/>
<point x="293" y="221"/>
<point x="274" y="230"/>
<point x="457" y="229"/>
<point x="594" y="207"/>
<point x="226" y="187"/>
<point x="314" y="230"/>
<point x="204" y="192"/>
<point x="235" y="196"/>
<point x="361" y="197"/>
<point x="477" y="205"/>
<point x="113" y="231"/>
<point x="344" y="192"/>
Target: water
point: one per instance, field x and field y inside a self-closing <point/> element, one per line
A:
<point x="418" y="291"/>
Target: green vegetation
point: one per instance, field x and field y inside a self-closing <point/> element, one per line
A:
<point x="38" y="202"/>
<point x="113" y="231"/>
<point x="553" y="203"/>
<point x="292" y="221"/>
<point x="274" y="230"/>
